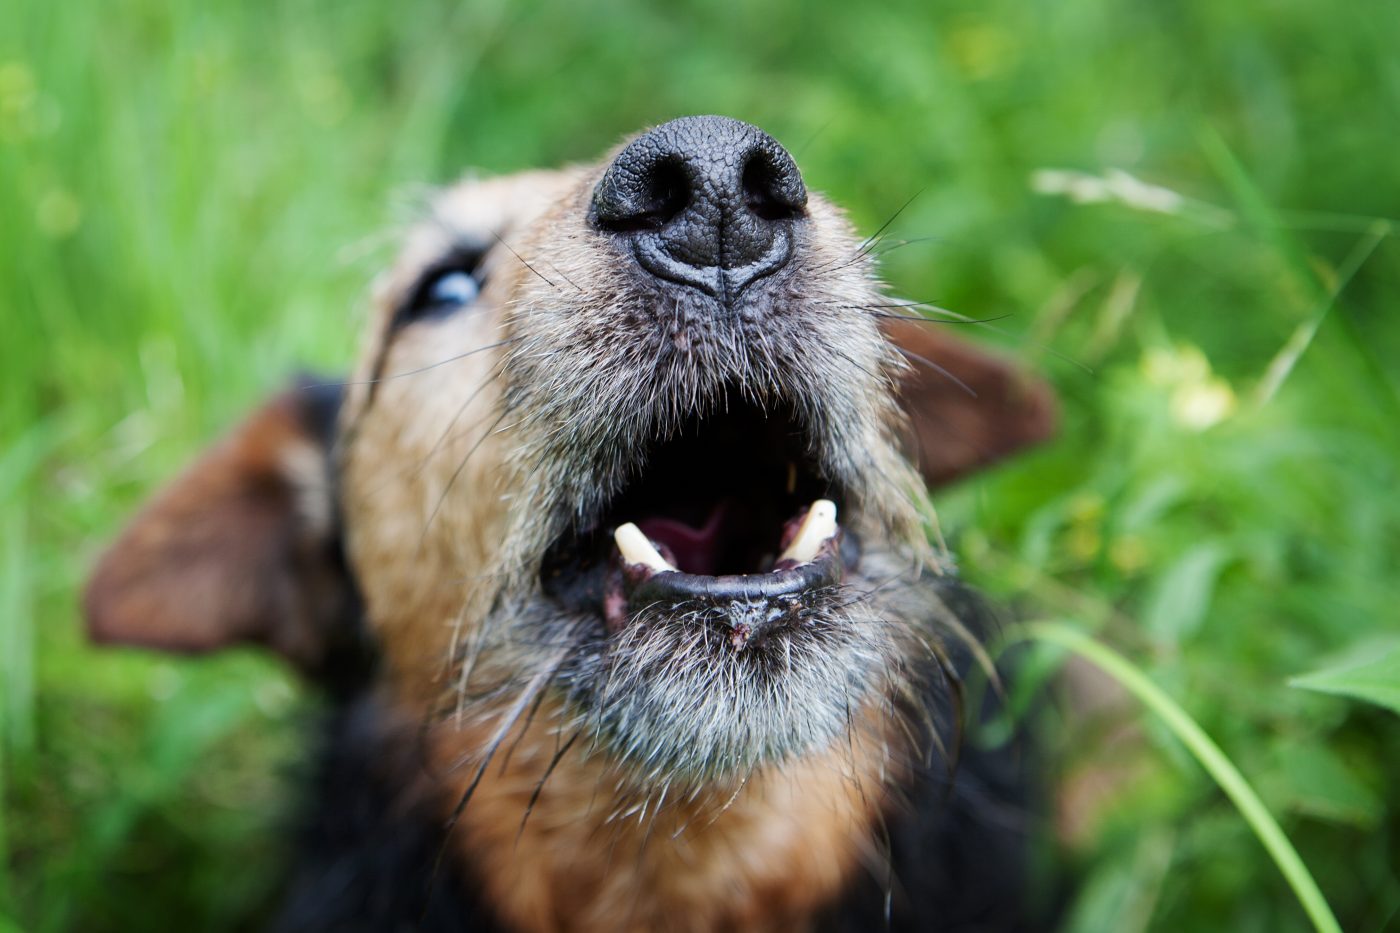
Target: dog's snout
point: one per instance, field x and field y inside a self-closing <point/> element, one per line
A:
<point x="705" y="201"/>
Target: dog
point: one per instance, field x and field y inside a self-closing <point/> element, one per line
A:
<point x="614" y="556"/>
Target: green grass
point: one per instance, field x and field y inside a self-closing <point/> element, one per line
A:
<point x="193" y="198"/>
<point x="1205" y="751"/>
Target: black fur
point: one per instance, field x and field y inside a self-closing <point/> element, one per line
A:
<point x="960" y="844"/>
<point x="370" y="861"/>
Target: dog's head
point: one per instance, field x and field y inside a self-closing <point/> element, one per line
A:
<point x="647" y="438"/>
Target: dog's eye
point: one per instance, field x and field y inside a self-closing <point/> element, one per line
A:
<point x="441" y="292"/>
<point x="451" y="289"/>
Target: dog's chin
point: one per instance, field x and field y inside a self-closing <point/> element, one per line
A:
<point x="686" y="691"/>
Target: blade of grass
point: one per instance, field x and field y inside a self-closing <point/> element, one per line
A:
<point x="1204" y="749"/>
<point x="1283" y="362"/>
<point x="17" y="677"/>
<point x="1261" y="216"/>
<point x="4" y="836"/>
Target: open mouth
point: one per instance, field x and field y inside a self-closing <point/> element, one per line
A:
<point x="731" y="509"/>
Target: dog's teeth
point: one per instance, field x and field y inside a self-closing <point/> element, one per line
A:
<point x="636" y="549"/>
<point x="819" y="525"/>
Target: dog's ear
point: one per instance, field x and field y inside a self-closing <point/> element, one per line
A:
<point x="242" y="547"/>
<point x="968" y="407"/>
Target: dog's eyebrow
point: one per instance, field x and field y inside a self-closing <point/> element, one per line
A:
<point x="457" y="231"/>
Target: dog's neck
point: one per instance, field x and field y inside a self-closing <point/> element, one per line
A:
<point x="581" y="850"/>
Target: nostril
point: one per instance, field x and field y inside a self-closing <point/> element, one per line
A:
<point x="669" y="190"/>
<point x="767" y="191"/>
<point x="703" y="201"/>
<point x="662" y="192"/>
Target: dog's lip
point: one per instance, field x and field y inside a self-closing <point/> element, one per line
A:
<point x="652" y="586"/>
<point x="812" y="559"/>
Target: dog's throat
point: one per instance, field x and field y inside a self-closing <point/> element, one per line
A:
<point x="589" y="862"/>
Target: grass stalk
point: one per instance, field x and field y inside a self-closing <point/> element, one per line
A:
<point x="1216" y="763"/>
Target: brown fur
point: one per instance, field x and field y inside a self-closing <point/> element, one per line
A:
<point x="762" y="864"/>
<point x="994" y="412"/>
<point x="453" y="482"/>
<point x="762" y="856"/>
<point x="236" y="549"/>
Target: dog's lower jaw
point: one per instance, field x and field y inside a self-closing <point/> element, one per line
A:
<point x="569" y="841"/>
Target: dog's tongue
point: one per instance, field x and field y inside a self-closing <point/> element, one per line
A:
<point x="693" y="550"/>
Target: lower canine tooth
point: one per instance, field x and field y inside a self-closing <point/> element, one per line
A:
<point x="819" y="525"/>
<point x="636" y="549"/>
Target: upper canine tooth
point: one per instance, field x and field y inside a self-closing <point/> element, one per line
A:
<point x="819" y="525"/>
<point x="637" y="549"/>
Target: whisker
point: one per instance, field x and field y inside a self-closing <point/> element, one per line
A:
<point x="871" y="240"/>
<point x="920" y="319"/>
<point x="1005" y="333"/>
<point x="455" y="474"/>
<point x="556" y="268"/>
<point x="412" y="372"/>
<point x="539" y="788"/>
<point x="910" y="354"/>
<point x="568" y="643"/>
<point x="446" y="434"/>
<point x="500" y="239"/>
<point x="811" y="138"/>
<point x="893" y="245"/>
<point x="508" y="721"/>
<point x="466" y="403"/>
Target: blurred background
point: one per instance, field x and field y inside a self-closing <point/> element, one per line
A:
<point x="1183" y="214"/>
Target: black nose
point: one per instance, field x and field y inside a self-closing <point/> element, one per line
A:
<point x="705" y="201"/>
